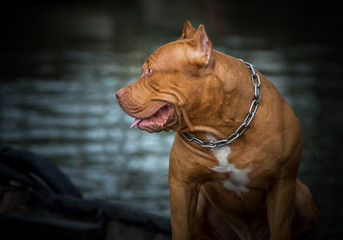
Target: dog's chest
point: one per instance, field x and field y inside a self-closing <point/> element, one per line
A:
<point x="238" y="179"/>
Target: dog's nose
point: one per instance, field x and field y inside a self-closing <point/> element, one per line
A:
<point x="119" y="94"/>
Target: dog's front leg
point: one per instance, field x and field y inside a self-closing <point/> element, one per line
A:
<point x="280" y="207"/>
<point x="183" y="201"/>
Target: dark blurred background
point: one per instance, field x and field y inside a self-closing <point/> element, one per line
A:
<point x="63" y="61"/>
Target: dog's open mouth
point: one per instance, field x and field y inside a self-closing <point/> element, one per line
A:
<point x="157" y="121"/>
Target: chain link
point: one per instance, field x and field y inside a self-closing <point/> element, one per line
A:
<point x="256" y="81"/>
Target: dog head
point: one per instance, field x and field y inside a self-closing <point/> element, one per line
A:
<point x="176" y="88"/>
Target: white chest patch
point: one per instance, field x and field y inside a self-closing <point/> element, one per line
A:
<point x="238" y="177"/>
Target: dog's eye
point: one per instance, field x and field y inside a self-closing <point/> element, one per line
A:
<point x="148" y="71"/>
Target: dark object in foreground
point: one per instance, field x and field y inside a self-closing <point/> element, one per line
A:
<point x="35" y="203"/>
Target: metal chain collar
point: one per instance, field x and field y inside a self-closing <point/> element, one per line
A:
<point x="256" y="81"/>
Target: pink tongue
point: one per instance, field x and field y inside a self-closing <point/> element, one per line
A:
<point x="137" y="120"/>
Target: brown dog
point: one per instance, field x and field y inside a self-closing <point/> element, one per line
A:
<point x="244" y="186"/>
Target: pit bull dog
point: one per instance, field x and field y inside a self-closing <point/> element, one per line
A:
<point x="237" y="148"/>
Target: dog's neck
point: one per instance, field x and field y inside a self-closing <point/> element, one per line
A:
<point x="230" y="103"/>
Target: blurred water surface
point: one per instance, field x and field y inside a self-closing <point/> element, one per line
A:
<point x="64" y="63"/>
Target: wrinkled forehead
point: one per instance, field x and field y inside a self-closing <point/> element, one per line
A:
<point x="171" y="55"/>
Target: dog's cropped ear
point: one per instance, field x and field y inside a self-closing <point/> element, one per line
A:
<point x="201" y="48"/>
<point x="188" y="30"/>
